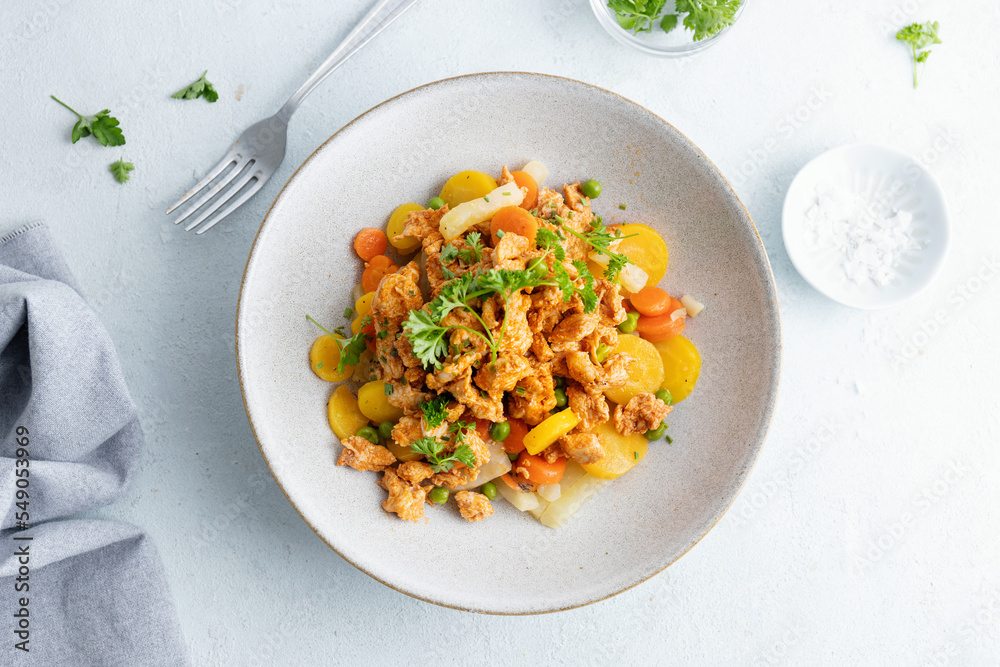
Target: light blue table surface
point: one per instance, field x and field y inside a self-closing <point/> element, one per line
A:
<point x="867" y="533"/>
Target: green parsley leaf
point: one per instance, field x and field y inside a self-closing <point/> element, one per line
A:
<point x="435" y="410"/>
<point x="121" y="170"/>
<point x="587" y="292"/>
<point x="200" y="88"/>
<point x="707" y="17"/>
<point x="427" y="337"/>
<point x="919" y="36"/>
<point x="600" y="239"/>
<point x="549" y="240"/>
<point x="433" y="450"/>
<point x="103" y="126"/>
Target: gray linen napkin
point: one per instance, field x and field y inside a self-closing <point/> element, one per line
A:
<point x="81" y="592"/>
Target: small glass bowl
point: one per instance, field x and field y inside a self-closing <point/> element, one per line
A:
<point x="675" y="44"/>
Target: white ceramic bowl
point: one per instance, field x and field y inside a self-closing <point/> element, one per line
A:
<point x="883" y="178"/>
<point x="675" y="44"/>
<point x="403" y="150"/>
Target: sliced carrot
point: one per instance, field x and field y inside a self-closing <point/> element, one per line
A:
<point x="660" y="327"/>
<point x="651" y="301"/>
<point x="376" y="268"/>
<point x="514" y="220"/>
<point x="518" y="484"/>
<point x="370" y="242"/>
<point x="514" y="442"/>
<point x="483" y="428"/>
<point x="525" y="180"/>
<point x="539" y="471"/>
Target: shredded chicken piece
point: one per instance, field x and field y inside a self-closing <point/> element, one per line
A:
<point x="473" y="506"/>
<point x="397" y="294"/>
<point x="574" y="328"/>
<point x="361" y="454"/>
<point x="590" y="406"/>
<point x="407" y="431"/>
<point x="455" y="477"/>
<point x="534" y="396"/>
<point x="406" y="499"/>
<point x="483" y="407"/>
<point x="406" y="397"/>
<point x="505" y="176"/>
<point x="510" y="252"/>
<point x="583" y="448"/>
<point x="509" y="369"/>
<point x="414" y="471"/>
<point x="643" y="413"/>
<point x="426" y="226"/>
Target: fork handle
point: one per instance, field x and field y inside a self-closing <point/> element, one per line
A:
<point x="381" y="15"/>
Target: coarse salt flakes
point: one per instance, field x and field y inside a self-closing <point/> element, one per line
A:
<point x="870" y="239"/>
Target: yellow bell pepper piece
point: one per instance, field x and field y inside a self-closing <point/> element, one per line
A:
<point x="550" y="430"/>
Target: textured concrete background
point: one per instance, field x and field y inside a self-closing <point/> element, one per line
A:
<point x="868" y="532"/>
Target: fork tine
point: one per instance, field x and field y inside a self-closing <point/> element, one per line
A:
<point x="250" y="192"/>
<point x="215" y="188"/>
<point x="227" y="160"/>
<point x="244" y="177"/>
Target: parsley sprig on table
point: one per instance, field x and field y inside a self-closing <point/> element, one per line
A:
<point x="101" y="125"/>
<point x="919" y="36"/>
<point x="200" y="88"/>
<point x="122" y="170"/>
<point x="704" y="18"/>
<point x="440" y="461"/>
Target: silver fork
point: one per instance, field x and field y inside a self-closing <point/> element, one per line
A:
<point x="258" y="152"/>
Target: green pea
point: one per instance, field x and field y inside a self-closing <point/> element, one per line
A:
<point x="665" y="396"/>
<point x="368" y="433"/>
<point x="558" y="381"/>
<point x="513" y="455"/>
<point x="591" y="188"/>
<point x="385" y="430"/>
<point x="438" y="495"/>
<point x="561" y="399"/>
<point x="489" y="489"/>
<point x="630" y="324"/>
<point x="656" y="433"/>
<point x="602" y="353"/>
<point x="435" y="203"/>
<point x="538" y="268"/>
<point x="500" y="431"/>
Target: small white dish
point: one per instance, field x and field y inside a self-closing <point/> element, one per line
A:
<point x="886" y="182"/>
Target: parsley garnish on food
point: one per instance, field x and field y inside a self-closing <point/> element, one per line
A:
<point x="121" y="170"/>
<point x="919" y="36"/>
<point x="435" y="410"/>
<point x="600" y="239"/>
<point x="587" y="292"/>
<point x="200" y="88"/>
<point x="440" y="461"/>
<point x="460" y="430"/>
<point x="103" y="126"/>
<point x="468" y="256"/>
<point x="704" y="18"/>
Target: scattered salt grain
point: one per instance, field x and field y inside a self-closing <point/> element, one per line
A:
<point x="870" y="240"/>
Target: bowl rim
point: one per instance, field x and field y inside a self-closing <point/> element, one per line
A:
<point x="770" y="408"/>
<point x="804" y="267"/>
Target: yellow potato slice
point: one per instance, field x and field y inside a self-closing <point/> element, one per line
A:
<point x="646" y="249"/>
<point x="363" y="306"/>
<point x="324" y="357"/>
<point x="681" y="366"/>
<point x="394" y="229"/>
<point x="466" y="186"/>
<point x="374" y="403"/>
<point x="645" y="373"/>
<point x="621" y="452"/>
<point x="343" y="413"/>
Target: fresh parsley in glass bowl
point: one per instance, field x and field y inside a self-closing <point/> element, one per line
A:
<point x="669" y="28"/>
